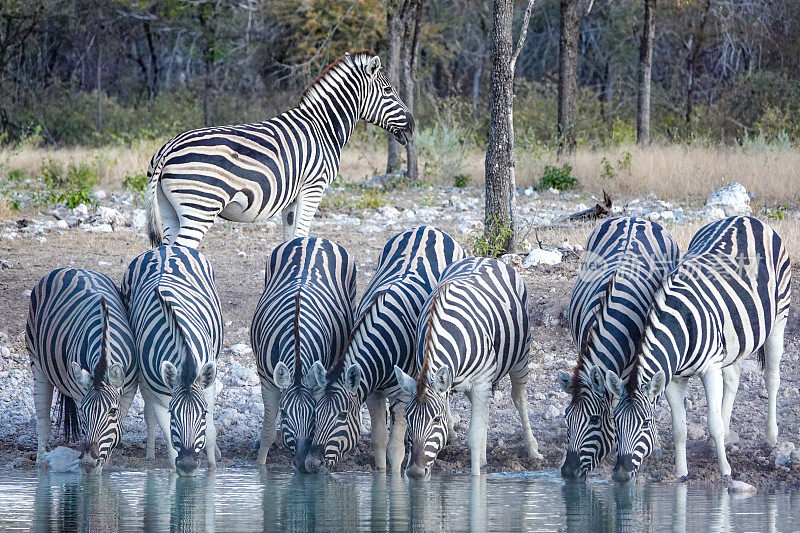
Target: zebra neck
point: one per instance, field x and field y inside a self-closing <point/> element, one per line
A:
<point x="334" y="116"/>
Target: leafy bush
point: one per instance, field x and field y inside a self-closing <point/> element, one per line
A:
<point x="490" y="245"/>
<point x="461" y="180"/>
<point x="136" y="183"/>
<point x="558" y="178"/>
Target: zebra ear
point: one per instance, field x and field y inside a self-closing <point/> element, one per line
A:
<point x="655" y="386"/>
<point x="169" y="374"/>
<point x="282" y="376"/>
<point x="83" y="377"/>
<point x="116" y="376"/>
<point x="317" y="373"/>
<point x="614" y="384"/>
<point x="207" y="374"/>
<point x="404" y="381"/>
<point x="565" y="380"/>
<point x="352" y="378"/>
<point x="373" y="66"/>
<point x="597" y="380"/>
<point x="442" y="379"/>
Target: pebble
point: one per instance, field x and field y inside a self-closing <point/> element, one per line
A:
<point x="241" y="349"/>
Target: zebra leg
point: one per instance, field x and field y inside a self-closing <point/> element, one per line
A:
<point x="676" y="396"/>
<point x="212" y="450"/>
<point x="712" y="382"/>
<point x="43" y="401"/>
<point x="152" y="424"/>
<point x="307" y="203"/>
<point x="272" y="398"/>
<point x="452" y="420"/>
<point x="162" y="417"/>
<point x="730" y="381"/>
<point x="376" y="403"/>
<point x="185" y="226"/>
<point x="397" y="440"/>
<point x="479" y="397"/>
<point x="520" y="397"/>
<point x="773" y="351"/>
<point x="289" y="218"/>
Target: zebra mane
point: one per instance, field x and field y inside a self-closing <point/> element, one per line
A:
<point x="298" y="364"/>
<point x="99" y="371"/>
<point x="188" y="371"/>
<point x="583" y="353"/>
<point x="338" y="365"/>
<point x="422" y="380"/>
<point x="347" y="57"/>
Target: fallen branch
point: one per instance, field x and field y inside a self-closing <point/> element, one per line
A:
<point x="598" y="211"/>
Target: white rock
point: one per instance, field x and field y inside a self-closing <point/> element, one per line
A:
<point x="100" y="194"/>
<point x="63" y="459"/>
<point x="667" y="215"/>
<point x="108" y="215"/>
<point x="4" y="351"/>
<point x="713" y="213"/>
<point x="740" y="487"/>
<point x="654" y="216"/>
<point x="552" y="412"/>
<point x="138" y="219"/>
<point x="733" y="200"/>
<point x="10" y="236"/>
<point x="100" y="228"/>
<point x="551" y="190"/>
<point x="81" y="211"/>
<point x="241" y="349"/>
<point x="542" y="257"/>
<point x="41" y="240"/>
<point x="370" y="229"/>
<point x="62" y="224"/>
<point x="783" y="453"/>
<point x="531" y="193"/>
<point x="581" y="207"/>
<point x="390" y="212"/>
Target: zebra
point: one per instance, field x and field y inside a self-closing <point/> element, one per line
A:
<point x="80" y="342"/>
<point x="175" y="315"/>
<point x="251" y="172"/>
<point x="625" y="261"/>
<point x="727" y="298"/>
<point x="305" y="314"/>
<point x="383" y="337"/>
<point x="473" y="331"/>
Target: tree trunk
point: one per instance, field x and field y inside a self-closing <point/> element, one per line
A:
<point x="410" y="53"/>
<point x="568" y="75"/>
<point x="500" y="186"/>
<point x="394" y="35"/>
<point x="645" y="67"/>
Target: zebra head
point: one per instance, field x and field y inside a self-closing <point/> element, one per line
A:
<point x="296" y="413"/>
<point x="188" y="410"/>
<point x="427" y="418"/>
<point x="380" y="103"/>
<point x="589" y="420"/>
<point x="98" y="410"/>
<point x="336" y="416"/>
<point x="634" y="420"/>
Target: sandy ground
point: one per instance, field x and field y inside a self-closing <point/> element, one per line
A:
<point x="238" y="252"/>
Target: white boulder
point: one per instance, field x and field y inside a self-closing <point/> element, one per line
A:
<point x="109" y="215"/>
<point x="542" y="257"/>
<point x="733" y="200"/>
<point x="63" y="459"/>
<point x="240" y="349"/>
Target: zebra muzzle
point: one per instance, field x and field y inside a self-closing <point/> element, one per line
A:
<point x="571" y="469"/>
<point x="624" y="470"/>
<point x="187" y="463"/>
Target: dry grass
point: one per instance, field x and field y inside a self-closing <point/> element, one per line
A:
<point x="5" y="210"/>
<point x="677" y="172"/>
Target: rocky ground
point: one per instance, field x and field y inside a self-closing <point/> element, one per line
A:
<point x="108" y="238"/>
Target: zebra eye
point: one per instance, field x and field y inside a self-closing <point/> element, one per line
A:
<point x="646" y="424"/>
<point x="112" y="412"/>
<point x="594" y="420"/>
<point x="387" y="90"/>
<point x="437" y="419"/>
<point x="342" y="416"/>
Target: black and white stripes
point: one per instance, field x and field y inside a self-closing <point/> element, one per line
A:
<point x="305" y="314"/>
<point x="623" y="265"/>
<point x="175" y="315"/>
<point x="253" y="171"/>
<point x="408" y="269"/>
<point x="727" y="298"/>
<point x="80" y="342"/>
<point x="473" y="331"/>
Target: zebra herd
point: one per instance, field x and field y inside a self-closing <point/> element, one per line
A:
<point x="431" y="322"/>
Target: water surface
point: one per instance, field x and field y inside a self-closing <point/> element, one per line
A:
<point x="252" y="500"/>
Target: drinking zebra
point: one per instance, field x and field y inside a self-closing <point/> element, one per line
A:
<point x="727" y="298"/>
<point x="472" y="332"/>
<point x="251" y="172"/>
<point x="305" y="315"/>
<point x="79" y="342"/>
<point x="408" y="270"/>
<point x="625" y="262"/>
<point x="175" y="315"/>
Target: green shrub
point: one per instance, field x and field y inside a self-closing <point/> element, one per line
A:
<point x="484" y="244"/>
<point x="461" y="180"/>
<point x="778" y="213"/>
<point x="558" y="178"/>
<point x="136" y="183"/>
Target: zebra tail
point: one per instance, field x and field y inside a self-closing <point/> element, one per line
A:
<point x="155" y="229"/>
<point x="68" y="417"/>
<point x="762" y="357"/>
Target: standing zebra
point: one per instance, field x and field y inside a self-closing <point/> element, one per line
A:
<point x="80" y="342"/>
<point x="727" y="298"/>
<point x="251" y="172"/>
<point x="626" y="259"/>
<point x="175" y="314"/>
<point x="408" y="270"/>
<point x="305" y="315"/>
<point x="472" y="331"/>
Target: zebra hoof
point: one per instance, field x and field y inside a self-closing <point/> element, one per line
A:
<point x="683" y="479"/>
